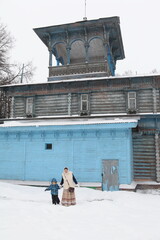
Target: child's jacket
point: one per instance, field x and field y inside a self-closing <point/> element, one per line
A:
<point x="53" y="188"/>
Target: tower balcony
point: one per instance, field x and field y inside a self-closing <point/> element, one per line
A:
<point x="83" y="49"/>
<point x="77" y="70"/>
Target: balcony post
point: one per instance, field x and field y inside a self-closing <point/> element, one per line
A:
<point x="68" y="54"/>
<point x="105" y="51"/>
<point x="86" y="48"/>
<point x="50" y="57"/>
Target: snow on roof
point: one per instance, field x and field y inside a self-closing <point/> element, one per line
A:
<point x="64" y="122"/>
<point x="81" y="79"/>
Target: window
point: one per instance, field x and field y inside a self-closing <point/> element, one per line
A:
<point x="48" y="146"/>
<point x="29" y="106"/>
<point x="131" y="101"/>
<point x="84" y="104"/>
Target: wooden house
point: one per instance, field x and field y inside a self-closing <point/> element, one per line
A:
<point x="104" y="128"/>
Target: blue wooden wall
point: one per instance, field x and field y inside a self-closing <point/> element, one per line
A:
<point x="82" y="148"/>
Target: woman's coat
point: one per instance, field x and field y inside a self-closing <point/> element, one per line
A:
<point x="68" y="180"/>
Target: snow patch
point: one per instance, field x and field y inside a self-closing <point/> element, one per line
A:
<point x="27" y="213"/>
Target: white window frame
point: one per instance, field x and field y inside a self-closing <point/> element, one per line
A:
<point x="29" y="106"/>
<point x="84" y="101"/>
<point x="133" y="99"/>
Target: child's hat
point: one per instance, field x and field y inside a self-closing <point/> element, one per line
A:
<point x="54" y="180"/>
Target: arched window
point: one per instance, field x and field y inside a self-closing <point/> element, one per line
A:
<point x="77" y="53"/>
<point x="60" y="53"/>
<point x="96" y="50"/>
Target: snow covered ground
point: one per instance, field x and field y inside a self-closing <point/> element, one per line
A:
<point x="27" y="213"/>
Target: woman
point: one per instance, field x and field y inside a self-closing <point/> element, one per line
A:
<point x="68" y="181"/>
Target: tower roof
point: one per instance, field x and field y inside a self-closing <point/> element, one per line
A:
<point x="86" y="47"/>
<point x="61" y="33"/>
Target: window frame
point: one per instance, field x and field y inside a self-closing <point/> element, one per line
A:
<point x="48" y="146"/>
<point x="29" y="106"/>
<point x="84" y="111"/>
<point x="129" y="99"/>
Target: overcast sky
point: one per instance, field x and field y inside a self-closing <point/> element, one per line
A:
<point x="139" y="21"/>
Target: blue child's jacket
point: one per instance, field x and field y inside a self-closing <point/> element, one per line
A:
<point x="53" y="188"/>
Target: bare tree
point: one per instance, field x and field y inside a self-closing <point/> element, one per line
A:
<point x="5" y="45"/>
<point x="11" y="73"/>
<point x="127" y="73"/>
<point x="23" y="73"/>
<point x="154" y="71"/>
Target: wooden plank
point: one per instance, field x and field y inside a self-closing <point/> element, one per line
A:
<point x="144" y="159"/>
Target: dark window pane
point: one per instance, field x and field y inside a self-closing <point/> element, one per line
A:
<point x="48" y="146"/>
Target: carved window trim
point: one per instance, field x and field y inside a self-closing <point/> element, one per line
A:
<point x="84" y="104"/>
<point x="132" y="102"/>
<point x="29" y="106"/>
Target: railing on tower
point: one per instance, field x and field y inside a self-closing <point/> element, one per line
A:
<point x="79" y="69"/>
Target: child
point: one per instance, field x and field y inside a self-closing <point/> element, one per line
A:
<point x="54" y="191"/>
